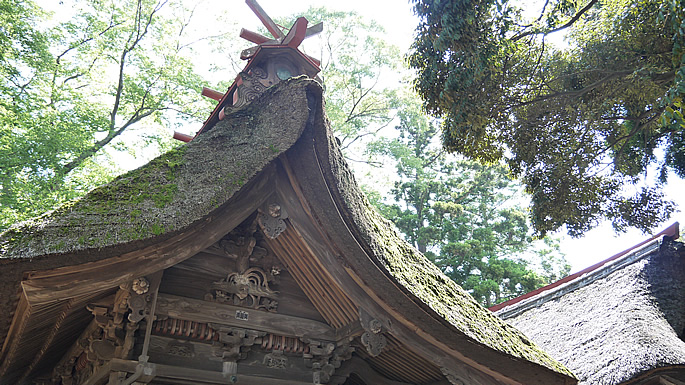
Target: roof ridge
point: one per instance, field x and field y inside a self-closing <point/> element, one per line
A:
<point x="587" y="275"/>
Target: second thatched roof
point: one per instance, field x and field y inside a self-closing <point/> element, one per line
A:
<point x="615" y="324"/>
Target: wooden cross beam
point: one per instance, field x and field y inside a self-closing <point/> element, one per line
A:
<point x="266" y="20"/>
<point x="258" y="38"/>
<point x="297" y="33"/>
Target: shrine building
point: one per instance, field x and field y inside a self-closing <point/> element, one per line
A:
<point x="250" y="256"/>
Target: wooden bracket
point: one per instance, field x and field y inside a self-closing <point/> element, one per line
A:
<point x="373" y="339"/>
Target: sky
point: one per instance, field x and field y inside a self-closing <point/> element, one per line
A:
<point x="396" y="16"/>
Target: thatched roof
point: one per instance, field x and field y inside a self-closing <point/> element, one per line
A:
<point x="615" y="323"/>
<point x="184" y="187"/>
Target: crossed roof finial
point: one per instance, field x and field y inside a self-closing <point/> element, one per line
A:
<point x="297" y="33"/>
<point x="269" y="62"/>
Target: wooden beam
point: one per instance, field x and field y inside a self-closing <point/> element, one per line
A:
<point x="314" y="30"/>
<point x="362" y="369"/>
<point x="100" y="374"/>
<point x="667" y="380"/>
<point x="265" y="19"/>
<point x="16" y="330"/>
<point x="350" y="331"/>
<point x="248" y="52"/>
<point x="70" y="281"/>
<point x="212" y="94"/>
<point x="66" y="308"/>
<point x="258" y="38"/>
<point x="313" y="229"/>
<point x="183" y="137"/>
<point x="296" y="34"/>
<point x="255" y="37"/>
<point x="153" y="292"/>
<point x="200" y="376"/>
<point x="212" y="312"/>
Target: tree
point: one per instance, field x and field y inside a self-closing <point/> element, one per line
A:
<point x="581" y="125"/>
<point x="461" y="214"/>
<point x="72" y="90"/>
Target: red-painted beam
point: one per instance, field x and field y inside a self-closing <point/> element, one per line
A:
<point x="296" y="34"/>
<point x="254" y="37"/>
<point x="265" y="19"/>
<point x="182" y="137"/>
<point x="212" y="94"/>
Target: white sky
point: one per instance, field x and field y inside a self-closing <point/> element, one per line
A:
<point x="396" y="16"/>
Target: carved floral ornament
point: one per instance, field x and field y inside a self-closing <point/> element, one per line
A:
<point x="140" y="285"/>
<point x="272" y="220"/>
<point x="248" y="285"/>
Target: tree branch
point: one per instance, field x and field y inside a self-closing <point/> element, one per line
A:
<point x="576" y="93"/>
<point x="102" y="143"/>
<point x="568" y="24"/>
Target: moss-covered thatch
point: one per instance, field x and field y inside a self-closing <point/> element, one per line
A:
<point x="158" y="200"/>
<point x="174" y="190"/>
<point x="618" y="323"/>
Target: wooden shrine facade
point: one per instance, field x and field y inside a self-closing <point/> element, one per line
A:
<point x="249" y="257"/>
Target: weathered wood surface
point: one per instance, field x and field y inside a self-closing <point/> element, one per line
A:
<point x="362" y="369"/>
<point x="39" y="327"/>
<point x="329" y="299"/>
<point x="311" y="229"/>
<point x="206" y="356"/>
<point x="193" y="277"/>
<point x="201" y="376"/>
<point x="212" y="312"/>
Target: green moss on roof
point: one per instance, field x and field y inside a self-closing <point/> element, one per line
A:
<point x="449" y="300"/>
<point x="424" y="280"/>
<point x="174" y="190"/>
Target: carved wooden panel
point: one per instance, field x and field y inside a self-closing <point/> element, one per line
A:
<point x="269" y="69"/>
<point x="248" y="285"/>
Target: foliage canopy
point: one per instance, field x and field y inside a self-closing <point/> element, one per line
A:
<point x="463" y="215"/>
<point x="580" y="125"/>
<point x="70" y="89"/>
